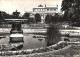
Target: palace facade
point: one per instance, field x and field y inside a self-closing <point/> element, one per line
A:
<point x="44" y="10"/>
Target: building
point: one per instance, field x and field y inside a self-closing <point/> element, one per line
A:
<point x="44" y="10"/>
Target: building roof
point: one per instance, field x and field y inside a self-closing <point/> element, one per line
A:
<point x="40" y="5"/>
<point x="46" y="6"/>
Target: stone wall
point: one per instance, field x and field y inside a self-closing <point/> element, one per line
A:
<point x="25" y="30"/>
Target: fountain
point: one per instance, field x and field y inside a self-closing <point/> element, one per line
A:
<point x="16" y="33"/>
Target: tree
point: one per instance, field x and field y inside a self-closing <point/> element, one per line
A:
<point x="71" y="10"/>
<point x="55" y="18"/>
<point x="2" y="15"/>
<point x="61" y="19"/>
<point x="26" y="15"/>
<point x="53" y="35"/>
<point x="37" y="17"/>
<point x="31" y="20"/>
<point x="48" y="19"/>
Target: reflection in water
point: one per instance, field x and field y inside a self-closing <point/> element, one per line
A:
<point x="17" y="48"/>
<point x="40" y="40"/>
<point x="29" y="42"/>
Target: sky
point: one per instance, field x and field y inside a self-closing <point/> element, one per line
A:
<point x="22" y="6"/>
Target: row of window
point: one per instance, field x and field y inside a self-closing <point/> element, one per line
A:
<point x="44" y="10"/>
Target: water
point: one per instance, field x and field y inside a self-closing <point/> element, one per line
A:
<point x="71" y="39"/>
<point x="29" y="41"/>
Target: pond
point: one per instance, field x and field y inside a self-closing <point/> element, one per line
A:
<point x="29" y="41"/>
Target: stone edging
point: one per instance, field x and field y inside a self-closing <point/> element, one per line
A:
<point x="55" y="47"/>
